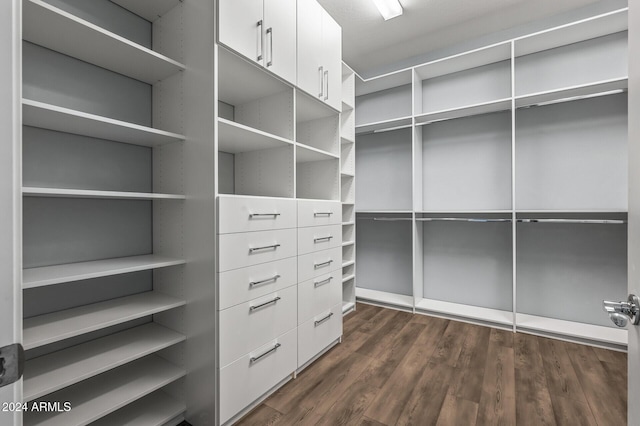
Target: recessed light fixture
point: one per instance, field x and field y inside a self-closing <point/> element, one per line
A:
<point x="389" y="8"/>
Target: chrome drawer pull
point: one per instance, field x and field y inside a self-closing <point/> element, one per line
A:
<point x="322" y="214"/>
<point x="257" y="358"/>
<point x="274" y="246"/>
<point x="320" y="239"/>
<point x="253" y="308"/>
<point x="320" y="321"/>
<point x="273" y="278"/>
<point x="320" y="265"/>
<point x="319" y="283"/>
<point x="275" y="215"/>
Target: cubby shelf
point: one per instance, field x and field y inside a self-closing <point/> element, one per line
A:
<point x="494" y="316"/>
<point x="346" y="106"/>
<point x="44" y="329"/>
<point x="306" y="154"/>
<point x="148" y="9"/>
<point x="94" y="398"/>
<point x="465" y="111"/>
<point x="60" y="119"/>
<point x="49" y="275"/>
<point x="346" y="141"/>
<point x="87" y="193"/>
<point x="52" y="372"/>
<point x="349" y="263"/>
<point x="348" y="223"/>
<point x="385" y="125"/>
<point x="348" y="243"/>
<point x="583" y="91"/>
<point x="385" y="298"/>
<point x="53" y="28"/>
<point x="152" y="410"/>
<point x="347" y="174"/>
<point x="348" y="277"/>
<point x="347" y="307"/>
<point x="533" y="323"/>
<point x="235" y="138"/>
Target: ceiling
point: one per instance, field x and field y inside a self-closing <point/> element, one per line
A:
<point x="370" y="43"/>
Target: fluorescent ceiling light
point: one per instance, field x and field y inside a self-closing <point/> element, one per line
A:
<point x="388" y="8"/>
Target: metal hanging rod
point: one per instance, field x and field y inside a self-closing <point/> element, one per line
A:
<point x="459" y="219"/>
<point x="591" y="221"/>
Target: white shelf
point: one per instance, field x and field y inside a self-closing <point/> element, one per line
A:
<point x="384" y="211"/>
<point x="384" y="297"/>
<point x="346" y="106"/>
<point x="573" y="93"/>
<point x="49" y="275"/>
<point x="347" y="175"/>
<point x="572" y="329"/>
<point x="56" y="326"/>
<point x="597" y="26"/>
<point x="385" y="125"/>
<point x="235" y="138"/>
<point x="572" y="211"/>
<point x="148" y="9"/>
<point x="46" y="116"/>
<point x="349" y="263"/>
<point x="55" y="29"/>
<point x="464" y="61"/>
<point x="466" y="311"/>
<point x="52" y="372"/>
<point x="156" y="409"/>
<point x="462" y="211"/>
<point x="465" y="111"/>
<point x="308" y="108"/>
<point x="348" y="278"/>
<point x="348" y="223"/>
<point x="348" y="243"/>
<point x="88" y="193"/>
<point x="383" y="82"/>
<point x="346" y="141"/>
<point x="347" y="307"/>
<point x="96" y="397"/>
<point x="306" y="154"/>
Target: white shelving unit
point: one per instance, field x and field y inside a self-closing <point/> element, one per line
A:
<point x="84" y="193"/>
<point x="477" y="152"/>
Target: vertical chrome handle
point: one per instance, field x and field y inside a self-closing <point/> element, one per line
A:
<point x="326" y="77"/>
<point x="259" y="28"/>
<point x="270" y="35"/>
<point x="320" y="321"/>
<point x="256" y="358"/>
<point x="321" y="75"/>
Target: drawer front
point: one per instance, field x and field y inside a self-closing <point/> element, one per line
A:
<point x="316" y="213"/>
<point x="245" y="380"/>
<point x="252" y="324"/>
<point x="319" y="295"/>
<point x="318" y="332"/>
<point x="320" y="263"/>
<point x="252" y="248"/>
<point x="242" y="285"/>
<point x="318" y="238"/>
<point x="240" y="214"/>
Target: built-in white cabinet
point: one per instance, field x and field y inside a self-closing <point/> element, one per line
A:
<point x="263" y="31"/>
<point x="319" y="53"/>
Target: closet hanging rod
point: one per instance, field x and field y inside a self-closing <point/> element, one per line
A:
<point x="587" y="221"/>
<point x="385" y="219"/>
<point x="459" y="219"/>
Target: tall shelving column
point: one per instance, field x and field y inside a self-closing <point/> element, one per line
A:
<point x="348" y="177"/>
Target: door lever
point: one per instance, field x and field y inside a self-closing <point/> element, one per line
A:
<point x="621" y="313"/>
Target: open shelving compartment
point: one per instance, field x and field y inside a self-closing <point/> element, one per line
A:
<point x="255" y="130"/>
<point x="103" y="210"/>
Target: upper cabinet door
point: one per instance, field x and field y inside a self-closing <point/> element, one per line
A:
<point x="332" y="53"/>
<point x="241" y="27"/>
<point x="280" y="38"/>
<point x="310" y="48"/>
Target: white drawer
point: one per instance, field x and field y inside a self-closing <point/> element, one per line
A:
<point x="316" y="213"/>
<point x="319" y="263"/>
<point x="240" y="214"/>
<point x="318" y="295"/>
<point x="250" y="325"/>
<point x="318" y="332"/>
<point x="252" y="248"/>
<point x="318" y="238"/>
<point x="245" y="380"/>
<point x="242" y="285"/>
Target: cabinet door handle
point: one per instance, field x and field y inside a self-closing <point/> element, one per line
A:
<point x="321" y="75"/>
<point x="320" y="321"/>
<point x="255" y="283"/>
<point x="320" y="265"/>
<point x="320" y="239"/>
<point x="273" y="246"/>
<point x="326" y="78"/>
<point x="259" y="28"/>
<point x="322" y="214"/>
<point x="252" y="215"/>
<point x="257" y="358"/>
<point x="262" y="305"/>
<point x="270" y="35"/>
<point x="319" y="283"/>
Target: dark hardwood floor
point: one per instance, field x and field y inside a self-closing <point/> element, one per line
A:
<point x="394" y="368"/>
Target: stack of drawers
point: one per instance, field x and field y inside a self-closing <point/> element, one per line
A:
<point x="279" y="280"/>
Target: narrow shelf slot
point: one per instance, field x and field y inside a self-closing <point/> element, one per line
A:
<point x="87" y="193"/>
<point x="573" y="329"/>
<point x="574" y="93"/>
<point x="465" y="111"/>
<point x="56" y="326"/>
<point x="155" y="409"/>
<point x="51" y="117"/>
<point x="466" y="311"/>
<point x="96" y="397"/>
<point x="50" y="27"/>
<point x="235" y="138"/>
<point x="49" y="275"/>
<point x="52" y="372"/>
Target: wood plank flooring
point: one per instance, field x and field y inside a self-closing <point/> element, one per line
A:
<point x="394" y="368"/>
